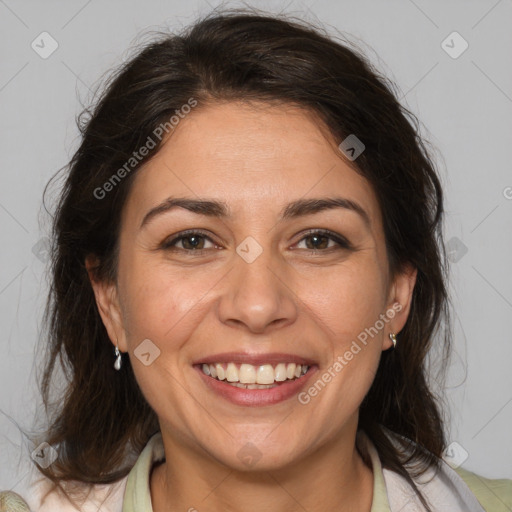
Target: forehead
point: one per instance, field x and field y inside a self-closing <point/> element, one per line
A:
<point x="255" y="157"/>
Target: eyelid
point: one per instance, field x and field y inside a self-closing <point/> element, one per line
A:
<point x="170" y="242"/>
<point x="340" y="240"/>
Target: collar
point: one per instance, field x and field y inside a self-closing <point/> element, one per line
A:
<point x="391" y="493"/>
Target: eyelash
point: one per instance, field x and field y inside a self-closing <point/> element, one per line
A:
<point x="341" y="241"/>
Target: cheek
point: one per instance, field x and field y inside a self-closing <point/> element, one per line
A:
<point x="161" y="299"/>
<point x="348" y="299"/>
<point x="160" y="302"/>
<point x="349" y="306"/>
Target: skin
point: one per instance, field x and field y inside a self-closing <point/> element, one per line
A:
<point x="255" y="159"/>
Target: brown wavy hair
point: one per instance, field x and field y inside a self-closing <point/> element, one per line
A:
<point x="100" y="421"/>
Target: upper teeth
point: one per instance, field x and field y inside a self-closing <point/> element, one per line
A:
<point x="249" y="374"/>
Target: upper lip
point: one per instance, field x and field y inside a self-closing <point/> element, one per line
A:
<point x="254" y="359"/>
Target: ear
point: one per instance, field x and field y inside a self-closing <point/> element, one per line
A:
<point x="399" y="301"/>
<point x="107" y="300"/>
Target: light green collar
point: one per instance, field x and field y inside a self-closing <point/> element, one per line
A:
<point x="137" y="496"/>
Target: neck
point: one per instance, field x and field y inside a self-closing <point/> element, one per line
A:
<point x="334" y="478"/>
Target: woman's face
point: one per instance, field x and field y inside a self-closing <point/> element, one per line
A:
<point x="255" y="286"/>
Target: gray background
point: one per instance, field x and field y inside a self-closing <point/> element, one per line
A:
<point x="465" y="105"/>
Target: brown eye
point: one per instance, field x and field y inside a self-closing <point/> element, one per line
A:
<point x="324" y="241"/>
<point x="192" y="241"/>
<point x="317" y="241"/>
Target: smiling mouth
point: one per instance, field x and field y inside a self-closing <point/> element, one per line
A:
<point x="248" y="376"/>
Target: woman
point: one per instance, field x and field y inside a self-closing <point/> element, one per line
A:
<point x="253" y="226"/>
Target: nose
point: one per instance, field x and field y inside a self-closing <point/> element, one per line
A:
<point x="258" y="295"/>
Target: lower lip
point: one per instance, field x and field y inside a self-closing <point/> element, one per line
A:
<point x="257" y="397"/>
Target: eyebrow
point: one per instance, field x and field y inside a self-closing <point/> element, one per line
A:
<point x="219" y="209"/>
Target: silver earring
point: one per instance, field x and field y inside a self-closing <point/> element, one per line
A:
<point x="392" y="337"/>
<point x="117" y="364"/>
